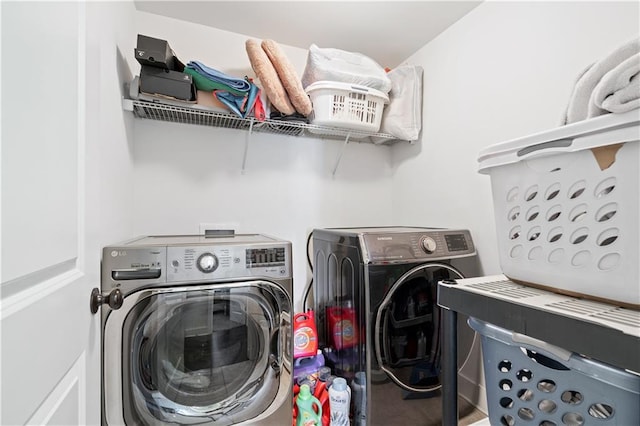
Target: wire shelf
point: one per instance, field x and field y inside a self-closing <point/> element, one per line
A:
<point x="195" y="115"/>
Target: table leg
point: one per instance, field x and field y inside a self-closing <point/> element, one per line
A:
<point x="450" y="368"/>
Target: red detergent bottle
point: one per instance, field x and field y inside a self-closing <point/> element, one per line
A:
<point x="343" y="328"/>
<point x="305" y="335"/>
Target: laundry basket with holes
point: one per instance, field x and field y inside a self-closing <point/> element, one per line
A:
<point x="346" y="106"/>
<point x="566" y="205"/>
<point x="530" y="382"/>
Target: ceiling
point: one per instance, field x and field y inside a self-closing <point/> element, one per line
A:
<point x="386" y="31"/>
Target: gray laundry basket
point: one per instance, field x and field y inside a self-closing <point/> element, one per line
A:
<point x="530" y="382"/>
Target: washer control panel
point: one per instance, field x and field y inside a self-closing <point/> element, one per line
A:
<point x="224" y="262"/>
<point x="207" y="262"/>
<point x="128" y="266"/>
<point x="124" y="267"/>
<point x="417" y="246"/>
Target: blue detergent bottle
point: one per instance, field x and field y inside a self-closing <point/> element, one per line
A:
<point x="309" y="408"/>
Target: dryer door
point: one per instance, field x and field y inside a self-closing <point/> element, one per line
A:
<point x="406" y="330"/>
<point x="203" y="354"/>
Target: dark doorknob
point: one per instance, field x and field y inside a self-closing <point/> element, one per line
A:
<point x="113" y="299"/>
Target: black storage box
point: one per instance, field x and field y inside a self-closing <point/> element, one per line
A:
<point x="174" y="84"/>
<point x="157" y="53"/>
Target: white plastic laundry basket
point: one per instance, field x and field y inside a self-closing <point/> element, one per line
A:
<point x="567" y="205"/>
<point x="346" y="106"/>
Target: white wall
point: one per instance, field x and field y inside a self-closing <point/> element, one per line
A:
<point x="108" y="163"/>
<point x="503" y="71"/>
<point x="185" y="175"/>
<point x="107" y="160"/>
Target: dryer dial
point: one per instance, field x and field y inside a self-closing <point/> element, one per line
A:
<point x="428" y="245"/>
<point x="207" y="262"/>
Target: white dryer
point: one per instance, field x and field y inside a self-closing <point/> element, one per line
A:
<point x="196" y="330"/>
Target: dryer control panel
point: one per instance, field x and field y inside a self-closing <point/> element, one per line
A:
<point x="417" y="246"/>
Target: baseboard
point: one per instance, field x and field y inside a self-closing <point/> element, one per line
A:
<point x="483" y="422"/>
<point x="474" y="393"/>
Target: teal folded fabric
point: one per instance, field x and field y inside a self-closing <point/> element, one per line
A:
<point x="241" y="105"/>
<point x="238" y="94"/>
<point x="207" y="78"/>
<point x="208" y="85"/>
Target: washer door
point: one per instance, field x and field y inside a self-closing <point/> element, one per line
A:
<point x="205" y="354"/>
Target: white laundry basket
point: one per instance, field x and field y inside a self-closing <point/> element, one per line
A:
<point x="566" y="205"/>
<point x="346" y="106"/>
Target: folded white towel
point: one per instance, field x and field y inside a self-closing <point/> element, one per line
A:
<point x="618" y="90"/>
<point x="579" y="107"/>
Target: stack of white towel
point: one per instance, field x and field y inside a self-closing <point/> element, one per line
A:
<point x="609" y="85"/>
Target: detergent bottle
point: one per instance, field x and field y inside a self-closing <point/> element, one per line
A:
<point x="343" y="328"/>
<point x="305" y="335"/>
<point x="422" y="345"/>
<point x="309" y="408"/>
<point x="304" y="367"/>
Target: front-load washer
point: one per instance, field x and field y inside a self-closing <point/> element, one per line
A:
<point x="377" y="317"/>
<point x="197" y="330"/>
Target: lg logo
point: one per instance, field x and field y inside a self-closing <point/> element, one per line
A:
<point x="116" y="253"/>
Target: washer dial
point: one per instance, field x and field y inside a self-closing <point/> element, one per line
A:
<point x="429" y="245"/>
<point x="207" y="262"/>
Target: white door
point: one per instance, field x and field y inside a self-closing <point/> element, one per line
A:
<point x="49" y="346"/>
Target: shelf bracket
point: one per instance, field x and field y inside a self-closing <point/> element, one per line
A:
<point x="127" y="104"/>
<point x="246" y="146"/>
<point x="344" y="145"/>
